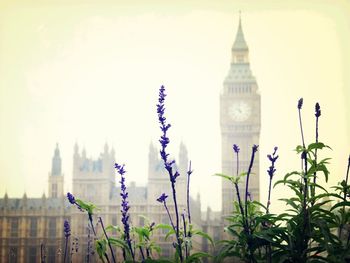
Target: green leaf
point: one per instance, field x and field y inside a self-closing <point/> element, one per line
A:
<point x="341" y="204"/>
<point x="101" y="246"/>
<point x="118" y="242"/>
<point x="316" y="145"/>
<point x="196" y="256"/>
<point x="171" y="232"/>
<point x="204" y="235"/>
<point x="111" y="228"/>
<point x="88" y="207"/>
<point x="230" y="178"/>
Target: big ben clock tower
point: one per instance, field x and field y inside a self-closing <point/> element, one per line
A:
<point x="239" y="121"/>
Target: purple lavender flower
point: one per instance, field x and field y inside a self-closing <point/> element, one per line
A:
<point x="236" y="148"/>
<point x="303" y="155"/>
<point x="71" y="198"/>
<point x="273" y="158"/>
<point x="162" y="198"/>
<point x="317" y="114"/>
<point x="120" y="168"/>
<point x="125" y="207"/>
<point x="164" y="141"/>
<point x="317" y="110"/>
<point x="66" y="228"/>
<point x="300" y="103"/>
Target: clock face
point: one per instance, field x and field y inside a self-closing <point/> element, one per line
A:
<point x="240" y="111"/>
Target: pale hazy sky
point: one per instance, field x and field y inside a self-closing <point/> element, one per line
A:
<point x="90" y="73"/>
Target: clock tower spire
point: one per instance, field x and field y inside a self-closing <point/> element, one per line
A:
<point x="239" y="121"/>
<point x="240" y="48"/>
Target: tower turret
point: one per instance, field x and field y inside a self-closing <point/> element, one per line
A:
<point x="56" y="168"/>
<point x="56" y="176"/>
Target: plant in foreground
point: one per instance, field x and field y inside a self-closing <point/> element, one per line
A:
<point x="243" y="223"/>
<point x="125" y="208"/>
<point x="83" y="206"/>
<point x="306" y="231"/>
<point x="183" y="237"/>
<point x="168" y="164"/>
<point x="66" y="228"/>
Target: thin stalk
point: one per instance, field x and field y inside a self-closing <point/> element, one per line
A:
<point x="313" y="189"/>
<point x="177" y="221"/>
<point x="268" y="247"/>
<point x="124" y="254"/>
<point x="251" y="256"/>
<point x="92" y="225"/>
<point x="305" y="201"/>
<point x="239" y="201"/>
<point x="301" y="128"/>
<point x="42" y="253"/>
<point x="186" y="247"/>
<point x="88" y="245"/>
<point x="131" y="250"/>
<point x="269" y="196"/>
<point x="305" y="194"/>
<point x="171" y="220"/>
<point x="247" y="183"/>
<point x="346" y="179"/>
<point x="189" y="172"/>
<point x="237" y="189"/>
<point x="344" y="199"/>
<point x="65" y="249"/>
<point x="109" y="244"/>
<point x="93" y="230"/>
<point x="142" y="254"/>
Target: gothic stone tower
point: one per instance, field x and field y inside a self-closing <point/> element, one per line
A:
<point x="239" y="121"/>
<point x="93" y="180"/>
<point x="56" y="176"/>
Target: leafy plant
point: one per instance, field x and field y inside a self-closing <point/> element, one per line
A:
<point x="310" y="230"/>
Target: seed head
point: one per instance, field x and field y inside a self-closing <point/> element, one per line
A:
<point x="300" y="103"/>
<point x="162" y="198"/>
<point x="66" y="229"/>
<point x="236" y="148"/>
<point x="317" y="110"/>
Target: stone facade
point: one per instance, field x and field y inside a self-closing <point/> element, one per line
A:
<point x="27" y="223"/>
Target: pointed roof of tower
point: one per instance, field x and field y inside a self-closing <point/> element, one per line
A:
<point x="183" y="148"/>
<point x="57" y="151"/>
<point x="56" y="167"/>
<point x="240" y="43"/>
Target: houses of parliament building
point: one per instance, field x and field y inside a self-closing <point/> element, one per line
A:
<point x="32" y="226"/>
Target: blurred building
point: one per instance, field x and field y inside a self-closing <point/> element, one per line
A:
<point x="28" y="223"/>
